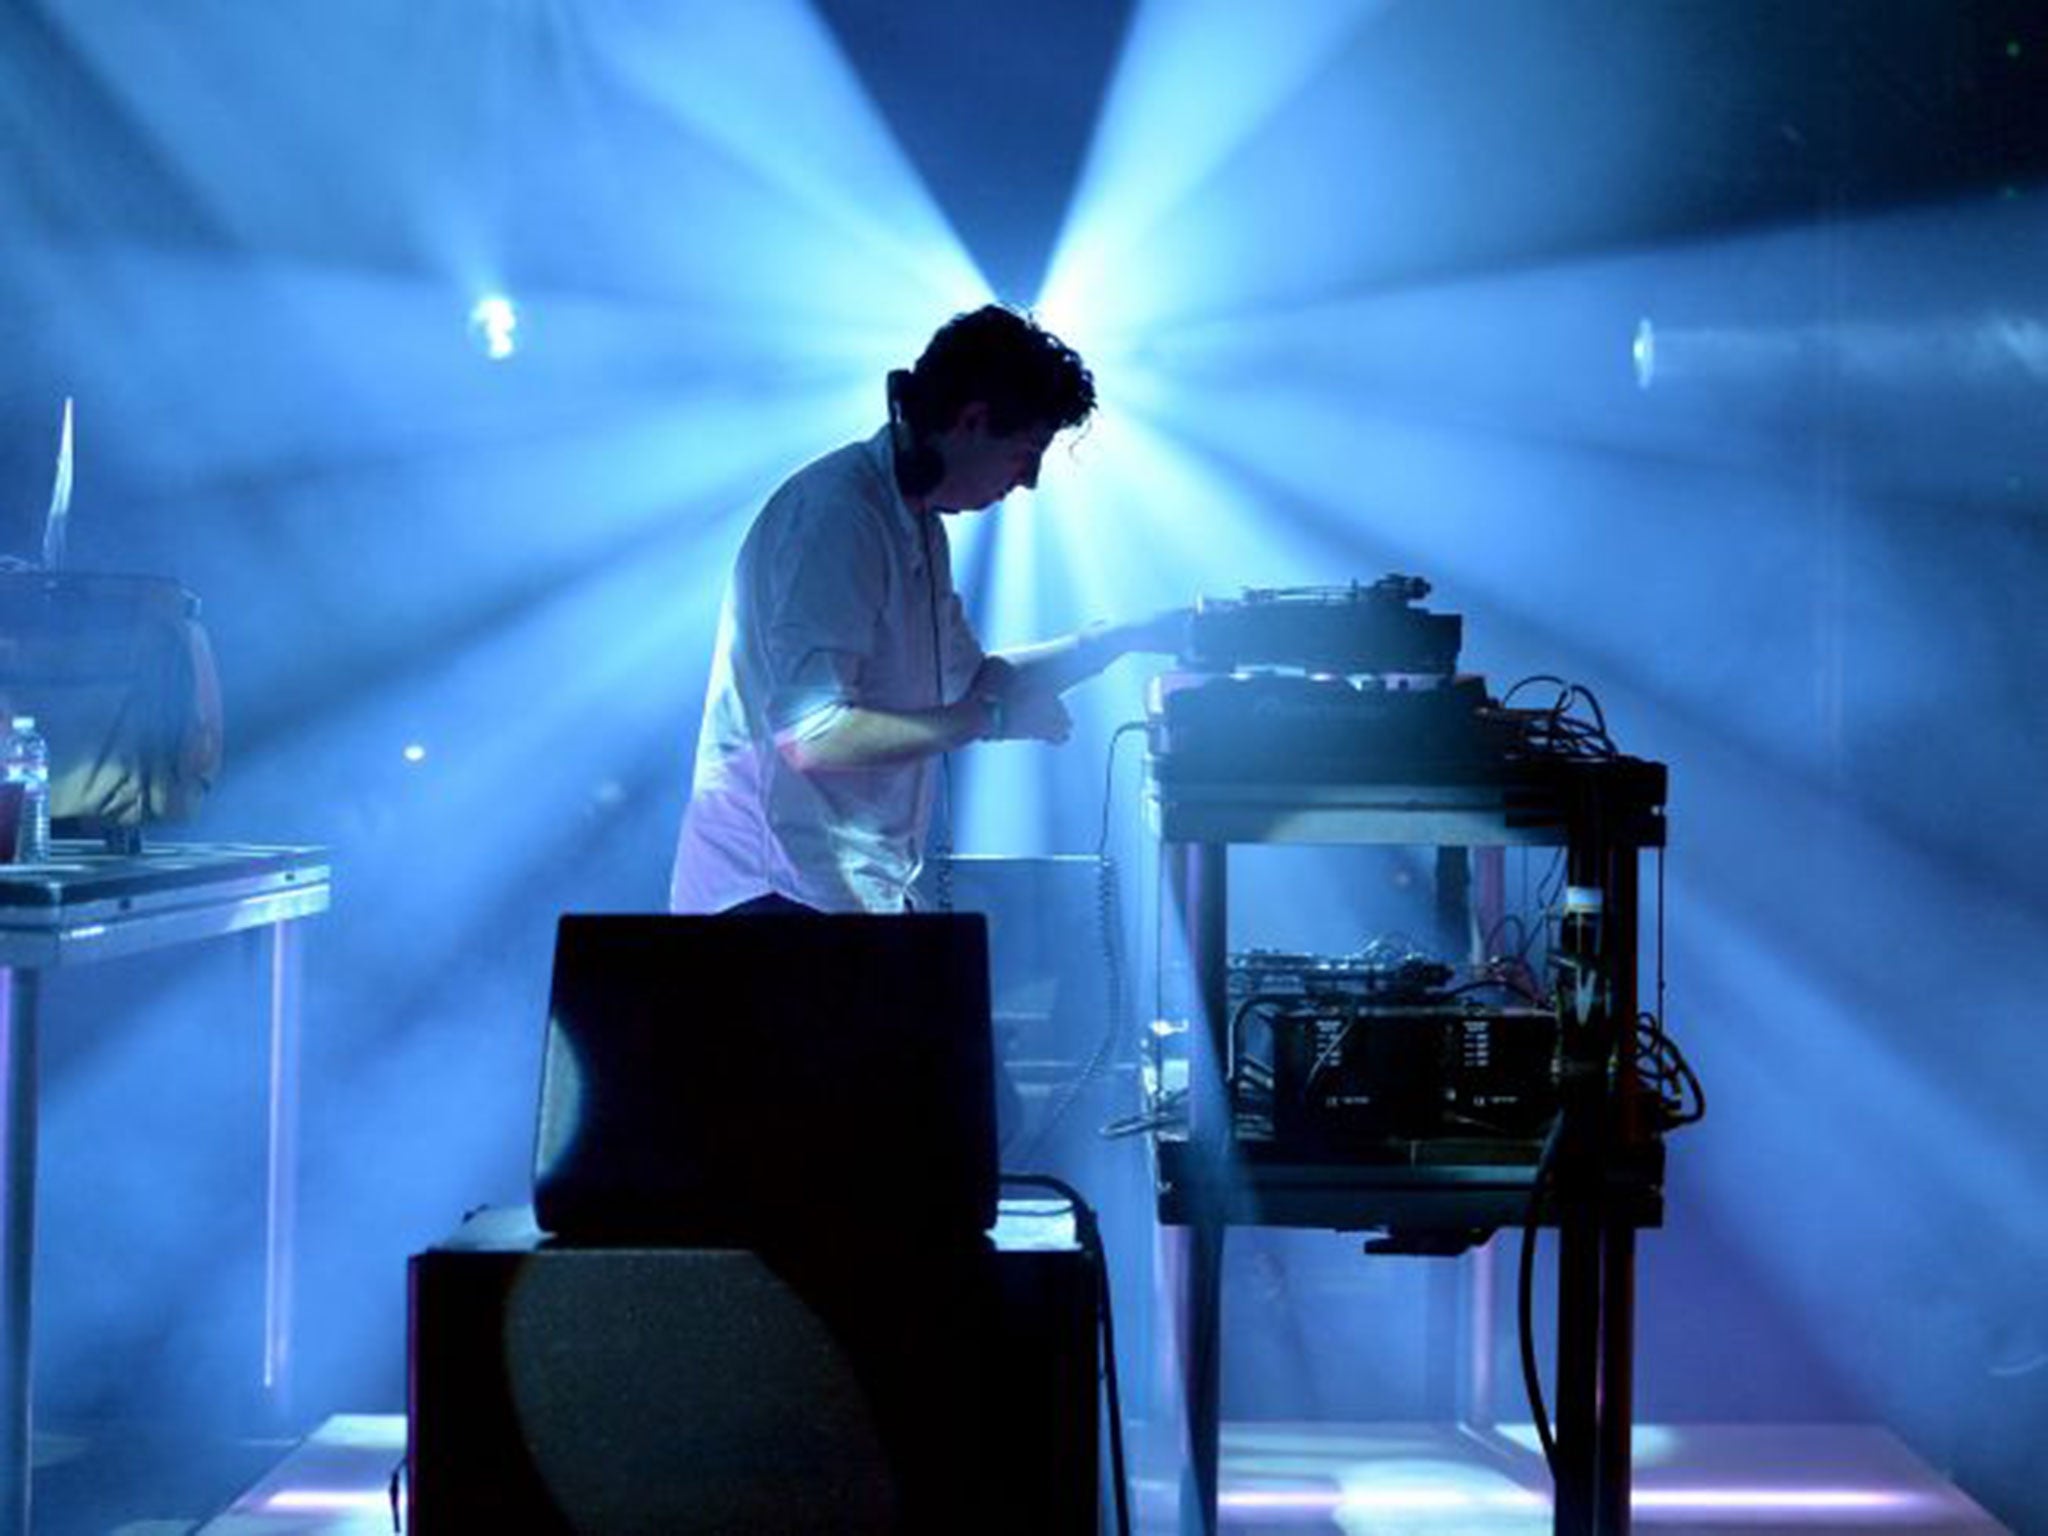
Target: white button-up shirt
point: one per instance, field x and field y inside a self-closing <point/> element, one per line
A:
<point x="840" y="597"/>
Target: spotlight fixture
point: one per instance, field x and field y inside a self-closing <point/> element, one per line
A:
<point x="493" y="322"/>
<point x="1643" y="351"/>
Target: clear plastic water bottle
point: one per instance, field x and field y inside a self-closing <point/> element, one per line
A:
<point x="26" y="761"/>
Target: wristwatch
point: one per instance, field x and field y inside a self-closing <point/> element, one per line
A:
<point x="995" y="717"/>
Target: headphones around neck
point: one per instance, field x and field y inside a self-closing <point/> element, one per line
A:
<point x="919" y="466"/>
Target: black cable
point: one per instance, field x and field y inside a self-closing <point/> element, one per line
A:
<point x="1088" y="1230"/>
<point x="1580" y="690"/>
<point x="1110" y="918"/>
<point x="1660" y="935"/>
<point x="942" y="862"/>
<point x="1662" y="1064"/>
<point x="1663" y="1070"/>
<point x="1533" y="678"/>
<point x="1328" y="1054"/>
<point x="1111" y="924"/>
<point x="1167" y="1113"/>
<point x="942" y="867"/>
<point x="1490" y="948"/>
<point x="1525" y="1297"/>
<point x="1246" y="1005"/>
<point x="1507" y="976"/>
<point x="1508" y="969"/>
<point x="1109" y="781"/>
<point x="1558" y="731"/>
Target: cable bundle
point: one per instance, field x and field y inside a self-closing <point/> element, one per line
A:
<point x="1573" y="725"/>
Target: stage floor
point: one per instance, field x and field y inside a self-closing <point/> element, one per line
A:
<point x="1362" y="1480"/>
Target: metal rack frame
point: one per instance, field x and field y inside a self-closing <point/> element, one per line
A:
<point x="87" y="905"/>
<point x="1604" y="812"/>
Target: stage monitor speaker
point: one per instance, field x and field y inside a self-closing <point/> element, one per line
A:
<point x="739" y="1080"/>
<point x="639" y="1391"/>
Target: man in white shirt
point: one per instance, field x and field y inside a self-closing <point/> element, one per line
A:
<point x="845" y="666"/>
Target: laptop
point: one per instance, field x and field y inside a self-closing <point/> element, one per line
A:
<point x="753" y="1080"/>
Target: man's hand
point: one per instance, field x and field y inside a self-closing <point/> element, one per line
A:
<point x="1164" y="633"/>
<point x="1033" y="716"/>
<point x="1018" y="711"/>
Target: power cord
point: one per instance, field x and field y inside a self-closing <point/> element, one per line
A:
<point x="942" y="850"/>
<point x="1525" y="1296"/>
<point x="1574" y="725"/>
<point x="1662" y="1069"/>
<point x="1169" y="1113"/>
<point x="1680" y="1101"/>
<point x="1109" y="920"/>
<point x="1109" y="781"/>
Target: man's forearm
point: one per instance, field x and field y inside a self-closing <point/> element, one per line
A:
<point x="1057" y="665"/>
<point x="877" y="738"/>
<point x="1054" y="666"/>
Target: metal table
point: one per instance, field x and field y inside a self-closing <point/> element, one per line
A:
<point x="1603" y="813"/>
<point x="87" y="905"/>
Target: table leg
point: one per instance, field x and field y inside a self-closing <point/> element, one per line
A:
<point x="1197" y="882"/>
<point x="1617" y="1380"/>
<point x="1578" y="1374"/>
<point x="1201" y="1363"/>
<point x="280" y="1216"/>
<point x="18" y="1065"/>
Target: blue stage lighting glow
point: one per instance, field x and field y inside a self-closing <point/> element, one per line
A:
<point x="725" y="249"/>
<point x="767" y="85"/>
<point x="493" y="326"/>
<point x="328" y="1501"/>
<point x="1195" y="81"/>
<point x="1005" y="812"/>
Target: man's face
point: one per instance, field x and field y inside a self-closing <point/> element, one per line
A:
<point x="982" y="466"/>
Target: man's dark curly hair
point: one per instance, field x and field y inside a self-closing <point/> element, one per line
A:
<point x="1027" y="375"/>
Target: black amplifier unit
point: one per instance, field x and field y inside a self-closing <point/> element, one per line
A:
<point x="1347" y="1072"/>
